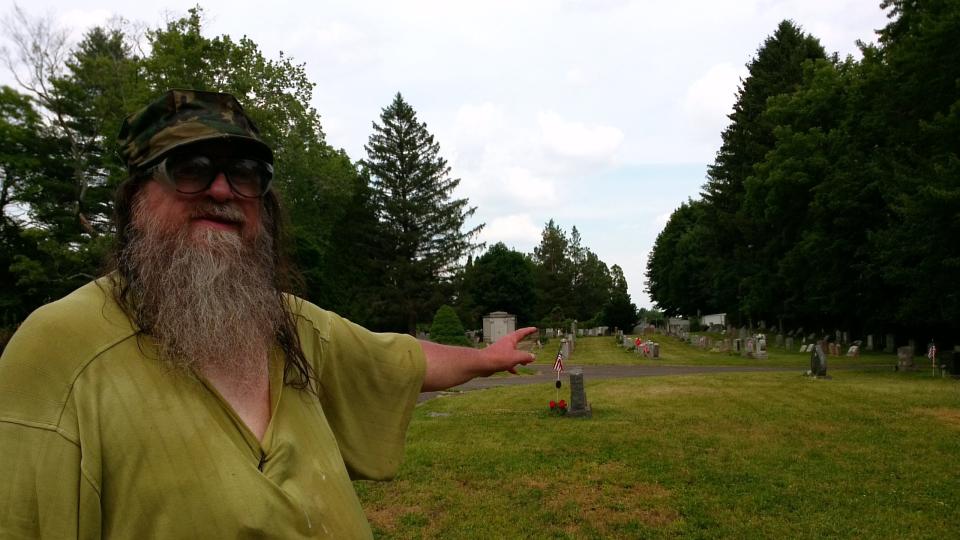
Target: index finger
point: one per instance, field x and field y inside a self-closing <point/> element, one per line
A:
<point x="524" y="333"/>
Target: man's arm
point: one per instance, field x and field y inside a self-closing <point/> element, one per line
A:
<point x="449" y="366"/>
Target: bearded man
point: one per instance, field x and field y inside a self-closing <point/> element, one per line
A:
<point x="185" y="394"/>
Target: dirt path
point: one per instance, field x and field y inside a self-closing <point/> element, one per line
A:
<point x="602" y="372"/>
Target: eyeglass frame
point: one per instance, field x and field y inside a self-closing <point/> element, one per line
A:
<point x="159" y="170"/>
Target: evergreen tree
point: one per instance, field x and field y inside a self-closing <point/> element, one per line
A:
<point x="554" y="272"/>
<point x="619" y="311"/>
<point x="447" y="328"/>
<point x="729" y="225"/>
<point x="421" y="225"/>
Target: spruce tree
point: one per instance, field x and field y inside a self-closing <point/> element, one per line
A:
<point x="421" y="225"/>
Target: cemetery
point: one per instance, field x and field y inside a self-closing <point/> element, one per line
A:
<point x="772" y="452"/>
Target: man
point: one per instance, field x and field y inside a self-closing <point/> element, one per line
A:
<point x="185" y="395"/>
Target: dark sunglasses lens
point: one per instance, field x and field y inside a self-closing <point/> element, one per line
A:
<point x="191" y="174"/>
<point x="248" y="177"/>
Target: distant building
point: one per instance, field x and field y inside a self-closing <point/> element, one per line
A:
<point x="716" y="318"/>
<point x="498" y="324"/>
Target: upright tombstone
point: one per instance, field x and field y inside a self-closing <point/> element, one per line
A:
<point x="789" y="343"/>
<point x="750" y="348"/>
<point x="870" y="342"/>
<point x="656" y="349"/>
<point x="905" y="358"/>
<point x="737" y="346"/>
<point x="761" y="351"/>
<point x="818" y="362"/>
<point x="779" y="342"/>
<point x="578" y="396"/>
<point x="889" y="344"/>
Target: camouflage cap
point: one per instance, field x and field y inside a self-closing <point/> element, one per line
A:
<point x="182" y="117"/>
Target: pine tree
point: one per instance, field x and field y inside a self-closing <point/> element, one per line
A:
<point x="419" y="221"/>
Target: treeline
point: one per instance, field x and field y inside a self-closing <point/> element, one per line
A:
<point x="380" y="240"/>
<point x="834" y="201"/>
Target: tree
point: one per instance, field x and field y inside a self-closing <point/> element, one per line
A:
<point x="619" y="311"/>
<point x="447" y="329"/>
<point x="499" y="280"/>
<point x="422" y="226"/>
<point x="554" y="272"/>
<point x="728" y="224"/>
<point x="678" y="270"/>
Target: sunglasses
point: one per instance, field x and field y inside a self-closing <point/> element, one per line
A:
<point x="190" y="174"/>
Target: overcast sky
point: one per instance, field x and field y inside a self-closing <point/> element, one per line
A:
<point x="600" y="114"/>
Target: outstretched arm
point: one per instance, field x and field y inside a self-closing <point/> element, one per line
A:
<point x="448" y="366"/>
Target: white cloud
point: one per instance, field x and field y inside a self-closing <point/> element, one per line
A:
<point x="710" y="98"/>
<point x="593" y="142"/>
<point x="513" y="229"/>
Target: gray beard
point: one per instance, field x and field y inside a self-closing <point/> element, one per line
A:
<point x="208" y="299"/>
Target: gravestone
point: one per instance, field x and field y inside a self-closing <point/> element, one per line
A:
<point x="905" y="358"/>
<point x="578" y="396"/>
<point x="846" y="338"/>
<point x="761" y="351"/>
<point x="889" y="344"/>
<point x="854" y="350"/>
<point x="818" y="362"/>
<point x="951" y="359"/>
<point x="737" y="346"/>
<point x="750" y="347"/>
<point x="779" y="342"/>
<point x="743" y="332"/>
<point x="789" y="343"/>
<point x="656" y="350"/>
<point x="870" y="342"/>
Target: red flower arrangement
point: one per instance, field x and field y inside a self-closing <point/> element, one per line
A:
<point x="558" y="408"/>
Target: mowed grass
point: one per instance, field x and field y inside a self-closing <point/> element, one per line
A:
<point x="865" y="454"/>
<point x="673" y="351"/>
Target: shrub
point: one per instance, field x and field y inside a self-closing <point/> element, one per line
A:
<point x="447" y="328"/>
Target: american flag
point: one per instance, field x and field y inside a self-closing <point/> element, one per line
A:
<point x="558" y="365"/>
<point x="932" y="352"/>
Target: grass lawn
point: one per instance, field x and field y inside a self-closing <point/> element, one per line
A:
<point x="604" y="350"/>
<point x="866" y="454"/>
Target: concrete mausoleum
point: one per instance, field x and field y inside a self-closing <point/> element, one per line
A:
<point x="498" y="324"/>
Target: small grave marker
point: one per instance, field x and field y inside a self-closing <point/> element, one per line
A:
<point x="818" y="362"/>
<point x="579" y="407"/>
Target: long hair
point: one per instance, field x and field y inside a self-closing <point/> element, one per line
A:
<point x="297" y="371"/>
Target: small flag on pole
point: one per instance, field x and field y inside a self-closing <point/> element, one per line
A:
<point x="558" y="365"/>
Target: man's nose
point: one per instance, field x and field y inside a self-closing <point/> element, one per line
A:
<point x="219" y="189"/>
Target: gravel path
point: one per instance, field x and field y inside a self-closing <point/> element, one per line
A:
<point x="602" y="372"/>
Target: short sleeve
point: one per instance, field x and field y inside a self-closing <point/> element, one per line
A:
<point x="369" y="384"/>
<point x="45" y="493"/>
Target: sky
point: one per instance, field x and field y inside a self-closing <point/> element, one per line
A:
<point x="598" y="114"/>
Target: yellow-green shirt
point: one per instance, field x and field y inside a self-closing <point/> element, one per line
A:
<point x="99" y="439"/>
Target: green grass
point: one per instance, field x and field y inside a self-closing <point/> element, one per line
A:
<point x="604" y="351"/>
<point x="865" y="454"/>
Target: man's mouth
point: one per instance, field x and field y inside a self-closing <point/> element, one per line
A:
<point x="217" y="222"/>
